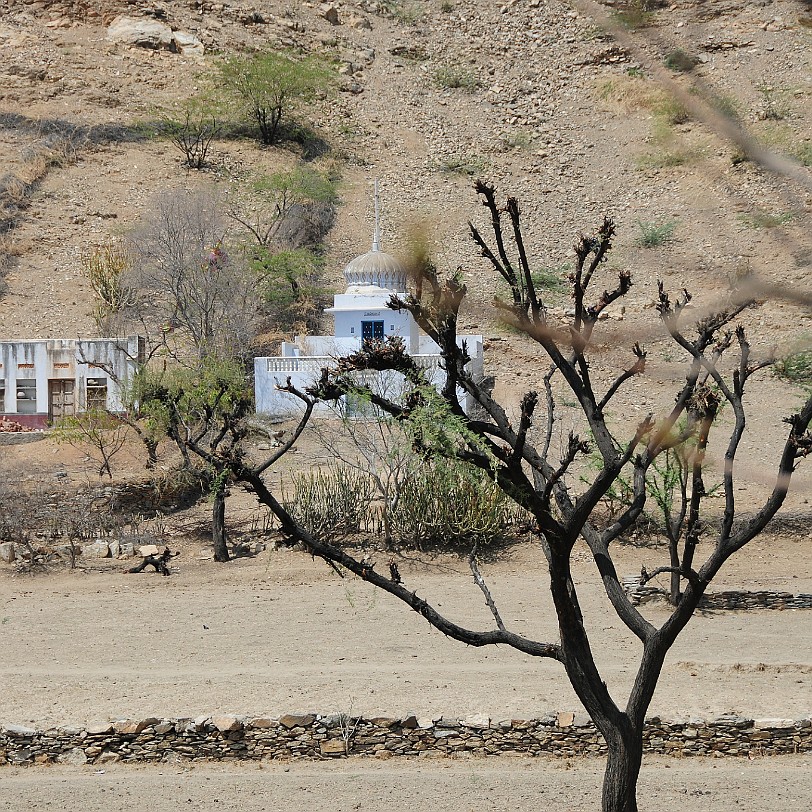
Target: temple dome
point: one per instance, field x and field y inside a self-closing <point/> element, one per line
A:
<point x="376" y="268"/>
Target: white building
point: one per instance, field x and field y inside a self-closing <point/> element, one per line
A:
<point x="360" y="314"/>
<point x="42" y="380"/>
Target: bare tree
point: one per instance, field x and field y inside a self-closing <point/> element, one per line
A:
<point x="188" y="276"/>
<point x="521" y="457"/>
<point x="98" y="430"/>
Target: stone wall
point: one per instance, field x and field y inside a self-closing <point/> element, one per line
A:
<point x="731" y="599"/>
<point x="220" y="738"/>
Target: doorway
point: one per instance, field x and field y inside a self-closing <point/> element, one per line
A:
<point x="61" y="401"/>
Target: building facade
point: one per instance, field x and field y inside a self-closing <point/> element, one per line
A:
<point x="360" y="314"/>
<point x="44" y="380"/>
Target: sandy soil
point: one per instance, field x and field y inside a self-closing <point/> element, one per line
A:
<point x="693" y="785"/>
<point x="282" y="633"/>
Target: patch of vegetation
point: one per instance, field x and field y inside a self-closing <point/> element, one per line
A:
<point x="804" y="153"/>
<point x="634" y="17"/>
<point x="453" y="77"/>
<point x="407" y="13"/>
<point x="672" y="111"/>
<point x="680" y="61"/>
<point x="463" y="165"/>
<point x="552" y="279"/>
<point x="518" y="139"/>
<point x="655" y="234"/>
<point x="763" y="219"/>
<point x="774" y="105"/>
<point x="636" y="72"/>
<point x="665" y="159"/>
<point x="667" y="150"/>
<point x="796" y="367"/>
<point x="727" y="105"/>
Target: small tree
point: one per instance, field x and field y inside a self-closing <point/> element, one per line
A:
<point x="302" y="194"/>
<point x="271" y="86"/>
<point x="98" y="430"/>
<point x="191" y="127"/>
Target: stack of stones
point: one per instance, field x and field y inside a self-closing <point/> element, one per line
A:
<point x="231" y="738"/>
<point x="731" y="599"/>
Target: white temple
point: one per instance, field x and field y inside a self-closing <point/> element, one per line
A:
<point x="360" y="314"/>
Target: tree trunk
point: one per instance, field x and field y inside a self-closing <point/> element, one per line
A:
<point x="625" y="755"/>
<point x="622" y="770"/>
<point x="218" y="524"/>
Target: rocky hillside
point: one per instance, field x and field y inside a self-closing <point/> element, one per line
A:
<point x="534" y="96"/>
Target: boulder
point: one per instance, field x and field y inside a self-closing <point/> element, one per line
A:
<point x="115" y="547"/>
<point x="290" y="721"/>
<point x="98" y="549"/>
<point x="477" y="721"/>
<point x="187" y="44"/>
<point x="148" y="549"/>
<point x="226" y="723"/>
<point x="142" y="33"/>
<point x="7" y="554"/>
<point x="128" y="726"/>
<point x="330" y="13"/>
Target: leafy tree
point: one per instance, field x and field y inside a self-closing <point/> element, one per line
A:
<point x="292" y="288"/>
<point x="522" y="457"/>
<point x="271" y="86"/>
<point x="301" y="193"/>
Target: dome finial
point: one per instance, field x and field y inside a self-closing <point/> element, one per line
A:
<point x="376" y="239"/>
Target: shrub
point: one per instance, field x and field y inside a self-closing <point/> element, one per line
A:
<point x="332" y="503"/>
<point x="653" y="235"/>
<point x="680" y="61"/>
<point x="191" y="128"/>
<point x="107" y="268"/>
<point x="454" y="77"/>
<point x="795" y="367"/>
<point x="447" y="505"/>
<point x="271" y="85"/>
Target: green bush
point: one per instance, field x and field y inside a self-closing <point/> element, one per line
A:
<point x="291" y="288"/>
<point x="680" y="61"/>
<point x="271" y="85"/>
<point x="795" y="367"/>
<point x="653" y="235"/>
<point x="332" y="503"/>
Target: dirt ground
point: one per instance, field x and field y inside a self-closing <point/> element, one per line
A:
<point x="504" y="785"/>
<point x="282" y="633"/>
